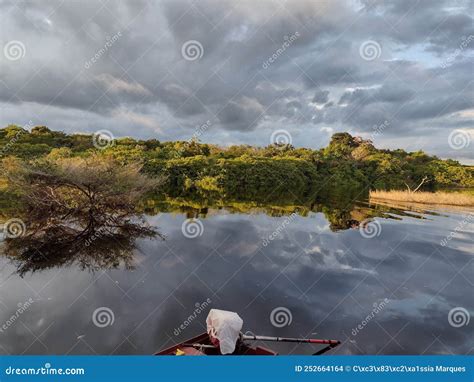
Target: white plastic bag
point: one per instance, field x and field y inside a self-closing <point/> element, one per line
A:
<point x="226" y="327"/>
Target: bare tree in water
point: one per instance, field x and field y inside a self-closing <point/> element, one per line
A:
<point x="78" y="209"/>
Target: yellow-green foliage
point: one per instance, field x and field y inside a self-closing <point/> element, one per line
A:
<point x="208" y="183"/>
<point x="446" y="198"/>
<point x="345" y="164"/>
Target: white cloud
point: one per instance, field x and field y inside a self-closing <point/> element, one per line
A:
<point x="136" y="118"/>
<point x="117" y="85"/>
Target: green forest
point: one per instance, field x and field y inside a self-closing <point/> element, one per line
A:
<point x="242" y="172"/>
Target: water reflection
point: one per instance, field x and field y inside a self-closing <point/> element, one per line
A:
<point x="342" y="213"/>
<point x="91" y="241"/>
<point x="319" y="267"/>
<point x="57" y="246"/>
<point x="107" y="241"/>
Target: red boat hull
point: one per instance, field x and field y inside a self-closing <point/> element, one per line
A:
<point x="184" y="348"/>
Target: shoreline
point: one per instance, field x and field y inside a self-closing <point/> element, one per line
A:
<point x="456" y="199"/>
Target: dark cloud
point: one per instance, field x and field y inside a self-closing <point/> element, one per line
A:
<point x="321" y="96"/>
<point x="261" y="66"/>
<point x="242" y="114"/>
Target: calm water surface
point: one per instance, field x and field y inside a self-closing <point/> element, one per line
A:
<point x="328" y="279"/>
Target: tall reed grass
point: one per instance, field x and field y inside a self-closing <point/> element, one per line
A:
<point x="446" y="198"/>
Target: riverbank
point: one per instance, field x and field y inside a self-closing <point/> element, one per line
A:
<point x="443" y="198"/>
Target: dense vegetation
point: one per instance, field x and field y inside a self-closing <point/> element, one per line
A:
<point x="347" y="165"/>
<point x="74" y="202"/>
<point x="84" y="209"/>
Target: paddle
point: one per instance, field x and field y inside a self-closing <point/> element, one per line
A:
<point x="200" y="346"/>
<point x="246" y="337"/>
<point x="331" y="343"/>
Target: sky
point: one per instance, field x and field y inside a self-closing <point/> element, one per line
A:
<point x="244" y="72"/>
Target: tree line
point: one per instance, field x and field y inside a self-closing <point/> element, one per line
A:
<point x="247" y="172"/>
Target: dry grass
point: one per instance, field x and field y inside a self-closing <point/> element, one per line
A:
<point x="445" y="198"/>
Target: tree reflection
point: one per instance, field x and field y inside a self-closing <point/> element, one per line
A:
<point x="82" y="210"/>
<point x="341" y="212"/>
<point x="90" y="246"/>
<point x="97" y="240"/>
